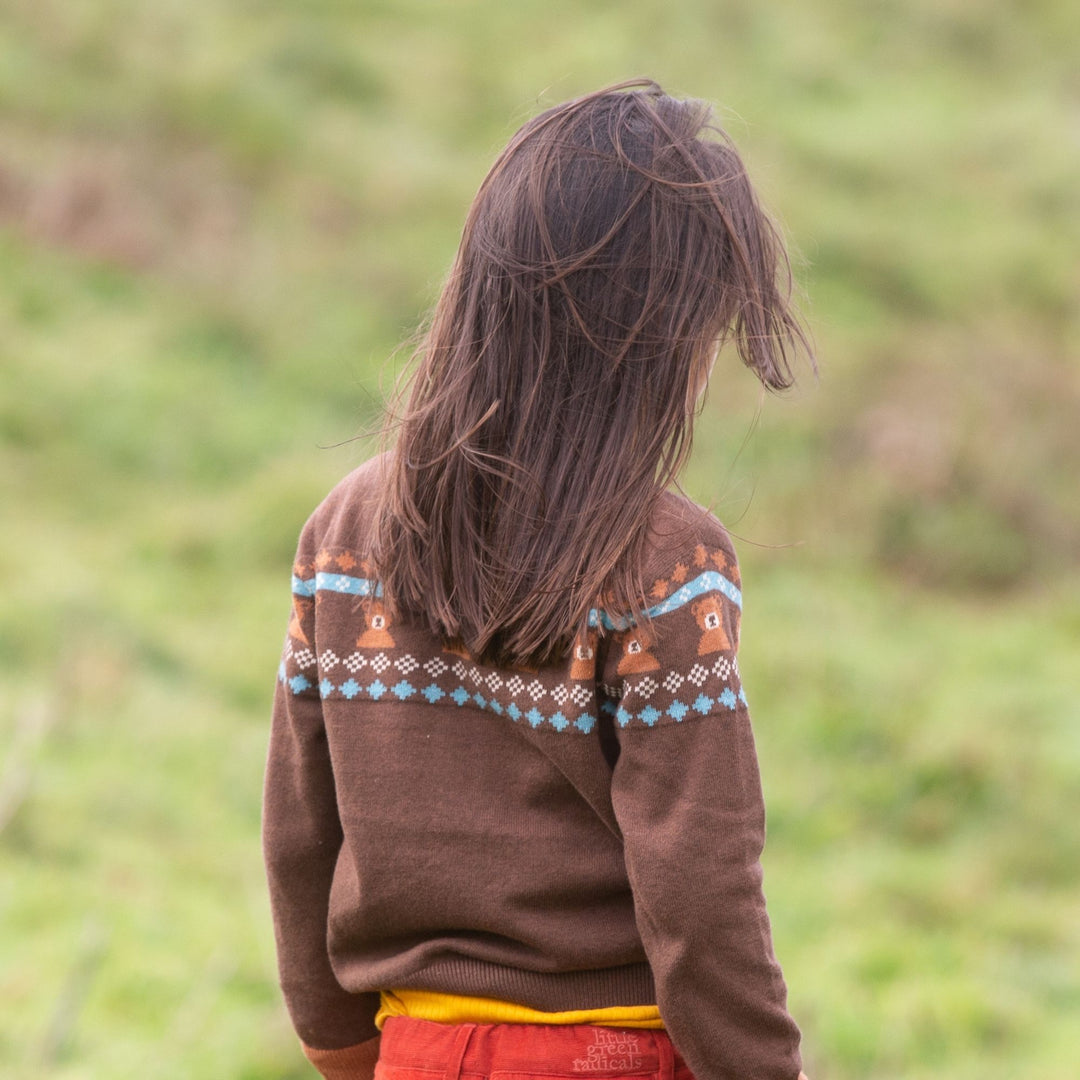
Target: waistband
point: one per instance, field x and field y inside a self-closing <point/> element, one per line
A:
<point x="458" y="1050"/>
<point x="446" y="1008"/>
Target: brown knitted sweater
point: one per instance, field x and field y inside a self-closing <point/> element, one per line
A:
<point x="581" y="836"/>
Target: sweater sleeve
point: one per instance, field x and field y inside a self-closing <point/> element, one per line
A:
<point x="687" y="797"/>
<point x="302" y="838"/>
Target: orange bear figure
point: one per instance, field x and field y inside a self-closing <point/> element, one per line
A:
<point x="714" y="637"/>
<point x="456" y="647"/>
<point x="583" y="662"/>
<point x="636" y="657"/>
<point x="296" y="630"/>
<point x="376" y="636"/>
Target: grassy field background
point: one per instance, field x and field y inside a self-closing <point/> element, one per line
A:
<point x="218" y="221"/>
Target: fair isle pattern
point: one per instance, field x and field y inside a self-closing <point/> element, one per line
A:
<point x="374" y="669"/>
<point x="404" y="678"/>
<point x="682" y="706"/>
<point x="709" y="581"/>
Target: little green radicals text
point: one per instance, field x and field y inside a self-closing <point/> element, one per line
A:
<point x="610" y="1050"/>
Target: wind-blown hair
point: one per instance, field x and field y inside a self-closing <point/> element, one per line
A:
<point x="615" y="243"/>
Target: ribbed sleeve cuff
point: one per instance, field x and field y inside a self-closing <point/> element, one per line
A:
<point x="349" y="1063"/>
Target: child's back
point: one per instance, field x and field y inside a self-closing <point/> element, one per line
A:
<point x="512" y="778"/>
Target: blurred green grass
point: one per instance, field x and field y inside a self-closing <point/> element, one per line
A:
<point x="218" y="222"/>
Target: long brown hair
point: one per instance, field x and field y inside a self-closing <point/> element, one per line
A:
<point x="615" y="243"/>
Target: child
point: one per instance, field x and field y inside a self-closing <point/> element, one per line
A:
<point x="512" y="815"/>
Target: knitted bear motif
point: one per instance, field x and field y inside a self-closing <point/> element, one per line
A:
<point x="376" y="636"/>
<point x="636" y="644"/>
<point x="714" y="638"/>
<point x="455" y="647"/>
<point x="296" y="630"/>
<point x="583" y="661"/>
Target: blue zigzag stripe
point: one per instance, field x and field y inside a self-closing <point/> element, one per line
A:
<point x="709" y="581"/>
<point x="339" y="583"/>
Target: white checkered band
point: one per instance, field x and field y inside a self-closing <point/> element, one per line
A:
<point x="580" y="696"/>
<point x="647" y="687"/>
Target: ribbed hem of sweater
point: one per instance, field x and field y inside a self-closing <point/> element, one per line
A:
<point x="348" y="1063"/>
<point x="630" y="984"/>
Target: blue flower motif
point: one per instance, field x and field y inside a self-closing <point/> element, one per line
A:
<point x="535" y="717"/>
<point x="404" y="689"/>
<point x="678" y="710"/>
<point x="326" y="688"/>
<point x="298" y="684"/>
<point x="622" y="716"/>
<point x="727" y="698"/>
<point x="585" y="723"/>
<point x="433" y="693"/>
<point x="460" y="695"/>
<point x="480" y="700"/>
<point x="513" y="710"/>
<point x="350" y="688"/>
<point x="649" y="715"/>
<point x="703" y="703"/>
<point x="376" y="689"/>
<point x="559" y="721"/>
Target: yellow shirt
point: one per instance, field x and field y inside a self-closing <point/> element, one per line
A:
<point x="460" y="1009"/>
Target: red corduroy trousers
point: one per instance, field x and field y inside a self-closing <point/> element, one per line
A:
<point x="413" y="1049"/>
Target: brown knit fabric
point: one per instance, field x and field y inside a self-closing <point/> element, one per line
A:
<point x="585" y="835"/>
<point x="351" y="1063"/>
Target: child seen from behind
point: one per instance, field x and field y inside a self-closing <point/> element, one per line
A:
<point x="513" y="816"/>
